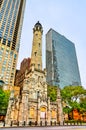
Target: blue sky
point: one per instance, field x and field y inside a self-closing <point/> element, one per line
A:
<point x="68" y="17"/>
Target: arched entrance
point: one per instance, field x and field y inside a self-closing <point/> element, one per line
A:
<point x="43" y="114"/>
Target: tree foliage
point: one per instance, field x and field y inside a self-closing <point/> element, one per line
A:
<point x="4" y="98"/>
<point x="72" y="92"/>
<point x="72" y="96"/>
<point x="52" y="92"/>
<point x="83" y="104"/>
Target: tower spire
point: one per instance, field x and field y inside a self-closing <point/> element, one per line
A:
<point x="36" y="56"/>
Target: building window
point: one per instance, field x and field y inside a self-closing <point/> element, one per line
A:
<point x="11" y="53"/>
<point x="7" y="52"/>
<point x="52" y="41"/>
<point x="14" y="56"/>
<point x="39" y="44"/>
<point x="32" y="112"/>
<point x="36" y="34"/>
<point x="8" y="44"/>
<point x="4" y="63"/>
<point x="35" y="53"/>
<point x="38" y="66"/>
<point x="0" y="58"/>
<point x="34" y="65"/>
<point x="3" y="69"/>
<point x="0" y="39"/>
<point x="0" y="52"/>
<point x="4" y="41"/>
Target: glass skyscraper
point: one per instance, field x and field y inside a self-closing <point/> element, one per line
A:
<point x="11" y="19"/>
<point x="61" y="61"/>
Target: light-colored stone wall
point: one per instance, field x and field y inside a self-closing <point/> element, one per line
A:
<point x="36" y="56"/>
<point x="32" y="104"/>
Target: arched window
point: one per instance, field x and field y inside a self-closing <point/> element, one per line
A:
<point x="32" y="112"/>
<point x="53" y="114"/>
<point x="35" y="53"/>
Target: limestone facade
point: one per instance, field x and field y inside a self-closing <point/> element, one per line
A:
<point x="32" y="104"/>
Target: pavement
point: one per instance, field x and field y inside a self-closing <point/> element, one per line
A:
<point x="47" y="128"/>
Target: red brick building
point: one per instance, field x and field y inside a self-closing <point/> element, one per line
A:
<point x="20" y="74"/>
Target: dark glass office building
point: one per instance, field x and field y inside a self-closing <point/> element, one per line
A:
<point x="11" y="19"/>
<point x="61" y="60"/>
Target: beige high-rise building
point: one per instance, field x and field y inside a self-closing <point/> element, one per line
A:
<point x="11" y="19"/>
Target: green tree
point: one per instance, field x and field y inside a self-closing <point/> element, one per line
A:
<point x="71" y="96"/>
<point x="52" y="92"/>
<point x="4" y="98"/>
<point x="83" y="104"/>
<point x="72" y="93"/>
